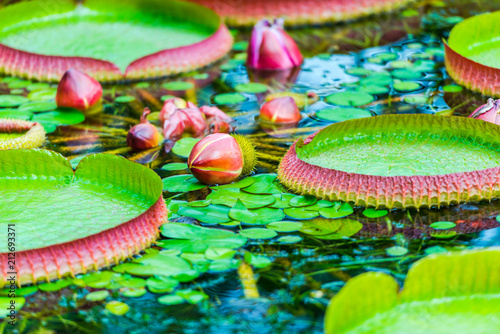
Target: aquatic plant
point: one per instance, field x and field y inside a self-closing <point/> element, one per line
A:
<point x="280" y="110"/>
<point x="331" y="164"/>
<point x="271" y="48"/>
<point x="221" y="159"/>
<point x="455" y="292"/>
<point x="143" y="135"/>
<point x="20" y="134"/>
<point x="299" y="12"/>
<point x="79" y="91"/>
<point x="105" y="211"/>
<point x="191" y="37"/>
<point x="470" y="50"/>
<point x="489" y="112"/>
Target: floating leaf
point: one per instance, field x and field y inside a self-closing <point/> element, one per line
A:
<point x="133" y="292"/>
<point x="407" y="74"/>
<point x="161" y="284"/>
<point x="10" y="101"/>
<point x="373" y="89"/>
<point x="282" y="201"/>
<point x="239" y="184"/>
<point x="372" y="213"/>
<point x="117" y="308"/>
<point x="300" y="213"/>
<point x="342" y="114"/>
<point x="337" y="211"/>
<point x="163" y="264"/>
<point x="359" y="71"/>
<point x="181" y="183"/>
<point x="60" y="116"/>
<point x="229" y="98"/>
<point x="452" y="88"/>
<point x="5" y="304"/>
<point x="124" y="99"/>
<point x="258" y="233"/>
<point x="396" y="251"/>
<point x="443" y="225"/>
<point x="229" y="197"/>
<point x="306" y="200"/>
<point x="289" y="239"/>
<point x="350" y="99"/>
<point x="190" y="238"/>
<point x="264" y="184"/>
<point x="258" y="261"/>
<point x="251" y="88"/>
<point x="175" y="166"/>
<point x="38" y="106"/>
<point x="212" y="214"/>
<point x="406" y="86"/>
<point x="171" y="300"/>
<point x="184" y="146"/>
<point x="285" y="226"/>
<point x="97" y="295"/>
<point x="178" y="85"/>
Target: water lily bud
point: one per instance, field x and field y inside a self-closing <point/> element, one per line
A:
<point x="215" y="113"/>
<point x="79" y="91"/>
<point x="271" y="48"/>
<point x="221" y="158"/>
<point x="489" y="112"/>
<point x="280" y="110"/>
<point x="184" y="121"/>
<point x="143" y="135"/>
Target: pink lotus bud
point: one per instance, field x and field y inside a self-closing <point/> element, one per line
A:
<point x="280" y="110"/>
<point x="170" y="106"/>
<point x="79" y="91"/>
<point x="271" y="48"/>
<point x="216" y="113"/>
<point x="489" y="112"/>
<point x="143" y="135"/>
<point x="216" y="159"/>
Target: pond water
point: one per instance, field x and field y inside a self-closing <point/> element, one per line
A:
<point x="390" y="64"/>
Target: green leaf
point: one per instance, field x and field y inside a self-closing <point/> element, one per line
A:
<point x="282" y="201"/>
<point x="212" y="214"/>
<point x="161" y="284"/>
<point x="372" y="213"/>
<point x="300" y="201"/>
<point x="124" y="99"/>
<point x="175" y="166"/>
<point x="239" y="184"/>
<point x="300" y="213"/>
<point x="181" y="183"/>
<point x="342" y="114"/>
<point x="443" y="225"/>
<point x="285" y="226"/>
<point x="258" y="261"/>
<point x="6" y="304"/>
<point x="117" y="308"/>
<point x="190" y="238"/>
<point x="289" y="239"/>
<point x="229" y="196"/>
<point x="162" y="264"/>
<point x="264" y="184"/>
<point x="97" y="295"/>
<point x="36" y="107"/>
<point x="171" y="300"/>
<point x="337" y="211"/>
<point x="258" y="233"/>
<point x="350" y="99"/>
<point x="396" y="251"/>
<point x="406" y="86"/>
<point x="184" y="146"/>
<point x="60" y="116"/>
<point x="178" y="85"/>
<point x="251" y="88"/>
<point x="10" y="101"/>
<point x="440" y="288"/>
<point x="240" y="213"/>
<point x="229" y="98"/>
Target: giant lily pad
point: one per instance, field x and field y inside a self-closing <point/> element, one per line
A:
<point x="472" y="53"/>
<point x="68" y="221"/>
<point x="443" y="293"/>
<point x="414" y="161"/>
<point x="109" y="40"/>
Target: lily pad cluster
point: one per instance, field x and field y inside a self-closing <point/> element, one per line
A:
<point x="37" y="106"/>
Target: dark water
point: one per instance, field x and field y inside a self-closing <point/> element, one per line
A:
<point x="295" y="290"/>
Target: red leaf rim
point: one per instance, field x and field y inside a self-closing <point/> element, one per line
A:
<point x="91" y="253"/>
<point x="387" y="191"/>
<point x="297" y="12"/>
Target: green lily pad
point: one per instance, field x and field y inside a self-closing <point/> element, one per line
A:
<point x="162" y="264"/>
<point x="331" y="229"/>
<point x="443" y="225"/>
<point x="7" y="302"/>
<point x="337" y="211"/>
<point x="300" y="213"/>
<point x="373" y="89"/>
<point x="161" y="284"/>
<point x="342" y="114"/>
<point x="251" y="88"/>
<point x="359" y="71"/>
<point x="117" y="308"/>
<point x="264" y="184"/>
<point x="133" y="292"/>
<point x="181" y="183"/>
<point x="175" y="166"/>
<point x="282" y="201"/>
<point x="257" y="261"/>
<point x="407" y="74"/>
<point x="377" y="79"/>
<point x="97" y="295"/>
<point x="229" y="98"/>
<point x="15" y="114"/>
<point x="171" y="300"/>
<point x="305" y="200"/>
<point x="229" y="196"/>
<point x="10" y="101"/>
<point x="184" y="146"/>
<point x="289" y="239"/>
<point x="372" y="213"/>
<point x="190" y="238"/>
<point x="124" y="99"/>
<point x="43" y="94"/>
<point x="350" y="99"/>
<point x="102" y="184"/>
<point x="38" y="106"/>
<point x="178" y="85"/>
<point x="37" y="86"/>
<point x="468" y="302"/>
<point x="60" y="116"/>
<point x="239" y="184"/>
<point x="396" y="251"/>
<point x="285" y="226"/>
<point x="258" y="233"/>
<point x="212" y="214"/>
<point x="406" y="86"/>
<point x="452" y="88"/>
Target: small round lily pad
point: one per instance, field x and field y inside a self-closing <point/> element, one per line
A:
<point x="342" y="114"/>
<point x="258" y="233"/>
<point x="10" y="101"/>
<point x="251" y="88"/>
<point x="229" y="98"/>
<point x="178" y="85"/>
<point x="124" y="99"/>
<point x="350" y="99"/>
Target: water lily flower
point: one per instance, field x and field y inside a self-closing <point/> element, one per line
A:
<point x="489" y="112"/>
<point x="143" y="135"/>
<point x="79" y="91"/>
<point x="217" y="120"/>
<point x="280" y="110"/>
<point x="214" y="112"/>
<point x="170" y="106"/>
<point x="271" y="48"/>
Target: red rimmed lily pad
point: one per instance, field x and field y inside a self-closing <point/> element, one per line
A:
<point x="397" y="161"/>
<point x="69" y="221"/>
<point x="109" y="40"/>
<point x="472" y="51"/>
